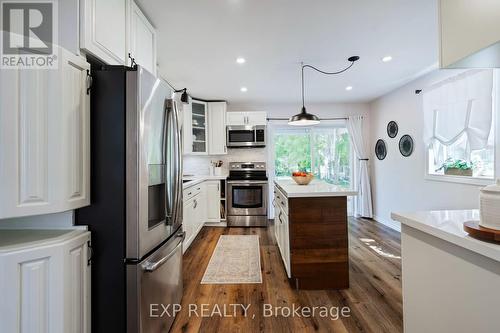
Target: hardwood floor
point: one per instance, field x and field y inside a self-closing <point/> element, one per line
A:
<point x="374" y="297"/>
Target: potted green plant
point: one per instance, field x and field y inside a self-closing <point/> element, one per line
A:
<point x="457" y="167"/>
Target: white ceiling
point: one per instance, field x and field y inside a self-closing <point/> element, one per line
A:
<point x="199" y="41"/>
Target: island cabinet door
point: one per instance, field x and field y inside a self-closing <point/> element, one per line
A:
<point x="319" y="242"/>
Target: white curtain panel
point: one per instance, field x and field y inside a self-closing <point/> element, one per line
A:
<point x="459" y="106"/>
<point x="363" y="201"/>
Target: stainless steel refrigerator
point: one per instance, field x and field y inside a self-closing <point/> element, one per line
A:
<point x="135" y="214"/>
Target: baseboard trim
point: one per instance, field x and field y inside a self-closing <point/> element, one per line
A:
<point x="388" y="223"/>
<point x="216" y="224"/>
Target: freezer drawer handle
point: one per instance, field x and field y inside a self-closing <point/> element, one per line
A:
<point x="152" y="266"/>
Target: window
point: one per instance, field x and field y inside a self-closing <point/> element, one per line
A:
<point x="459" y="116"/>
<point x="457" y="160"/>
<point x="324" y="150"/>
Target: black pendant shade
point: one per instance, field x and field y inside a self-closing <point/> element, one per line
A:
<point x="303" y="119"/>
<point x="307" y="119"/>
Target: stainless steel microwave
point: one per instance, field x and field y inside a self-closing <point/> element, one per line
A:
<point x="246" y="136"/>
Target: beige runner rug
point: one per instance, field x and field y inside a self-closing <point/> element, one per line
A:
<point x="236" y="259"/>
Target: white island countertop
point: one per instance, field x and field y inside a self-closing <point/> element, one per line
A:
<point x="316" y="188"/>
<point x="448" y="225"/>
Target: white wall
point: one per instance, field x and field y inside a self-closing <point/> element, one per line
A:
<point x="62" y="220"/>
<point x="398" y="182"/>
<point x="199" y="165"/>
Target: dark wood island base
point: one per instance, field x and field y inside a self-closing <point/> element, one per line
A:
<point x="317" y="240"/>
<point x="319" y="255"/>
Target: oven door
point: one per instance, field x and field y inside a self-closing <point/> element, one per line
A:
<point x="248" y="197"/>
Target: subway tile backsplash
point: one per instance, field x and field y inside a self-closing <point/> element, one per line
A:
<point x="199" y="165"/>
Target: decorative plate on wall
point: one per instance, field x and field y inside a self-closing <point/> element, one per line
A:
<point x="392" y="129"/>
<point x="380" y="149"/>
<point x="406" y="145"/>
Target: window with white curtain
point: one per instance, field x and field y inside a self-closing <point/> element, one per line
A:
<point x="323" y="150"/>
<point x="459" y="131"/>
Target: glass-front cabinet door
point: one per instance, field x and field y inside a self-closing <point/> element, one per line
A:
<point x="199" y="127"/>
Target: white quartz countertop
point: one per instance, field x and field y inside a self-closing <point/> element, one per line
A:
<point x="316" y="188"/>
<point x="17" y="239"/>
<point x="193" y="180"/>
<point x="448" y="225"/>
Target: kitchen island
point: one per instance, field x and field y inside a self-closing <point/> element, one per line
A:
<point x="312" y="234"/>
<point x="451" y="281"/>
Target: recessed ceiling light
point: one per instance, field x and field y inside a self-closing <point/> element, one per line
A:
<point x="348" y="88"/>
<point x="386" y="58"/>
<point x="240" y="60"/>
<point x="243" y="89"/>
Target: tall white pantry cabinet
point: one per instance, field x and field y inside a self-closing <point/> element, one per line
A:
<point x="45" y="281"/>
<point x="44" y="138"/>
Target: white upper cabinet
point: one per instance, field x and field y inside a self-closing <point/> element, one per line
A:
<point x="246" y="118"/>
<point x="103" y="29"/>
<point x="217" y="128"/>
<point x="469" y="33"/>
<point x="112" y="29"/>
<point x="199" y="127"/>
<point x="187" y="130"/>
<point x="75" y="113"/>
<point x="142" y="39"/>
<point x="256" y="118"/>
<point x="236" y="118"/>
<point x="44" y="138"/>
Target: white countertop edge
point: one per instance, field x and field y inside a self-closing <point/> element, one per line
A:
<point x="486" y="249"/>
<point x="194" y="180"/>
<point x="64" y="237"/>
<point x="311" y="194"/>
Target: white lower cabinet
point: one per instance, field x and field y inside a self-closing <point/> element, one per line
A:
<point x="201" y="204"/>
<point x="281" y="229"/>
<point x="187" y="223"/>
<point x="45" y="138"/>
<point x="194" y="212"/>
<point x="45" y="281"/>
<point x="213" y="201"/>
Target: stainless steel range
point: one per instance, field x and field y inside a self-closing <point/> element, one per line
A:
<point x="247" y="194"/>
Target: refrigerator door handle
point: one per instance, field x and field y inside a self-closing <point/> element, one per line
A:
<point x="152" y="266"/>
<point x="180" y="168"/>
<point x="177" y="213"/>
<point x="170" y="177"/>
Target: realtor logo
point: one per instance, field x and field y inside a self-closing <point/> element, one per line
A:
<point x="28" y="34"/>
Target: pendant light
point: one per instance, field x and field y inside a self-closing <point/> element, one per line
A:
<point x="308" y="119"/>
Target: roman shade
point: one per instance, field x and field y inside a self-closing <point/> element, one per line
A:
<point x="461" y="105"/>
